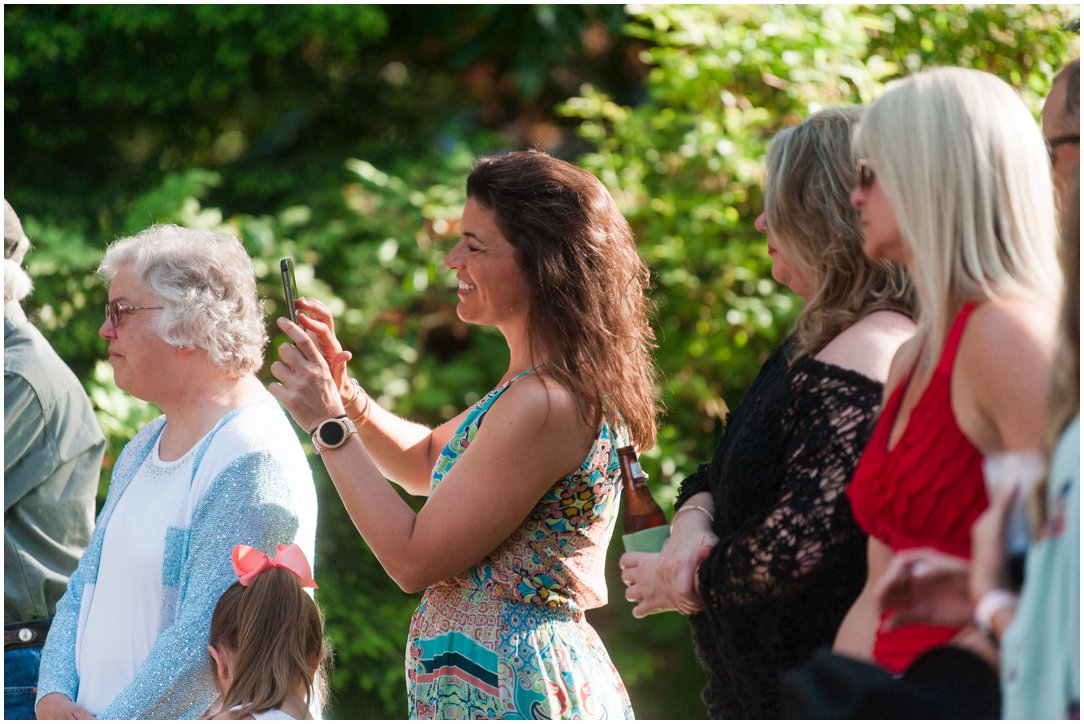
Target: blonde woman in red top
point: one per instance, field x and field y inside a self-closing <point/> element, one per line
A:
<point x="954" y="183"/>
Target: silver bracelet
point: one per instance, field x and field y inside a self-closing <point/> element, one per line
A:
<point x="357" y="392"/>
<point x="682" y="509"/>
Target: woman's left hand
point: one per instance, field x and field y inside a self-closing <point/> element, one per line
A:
<point x="315" y="318"/>
<point x="305" y="384"/>
<point x="650" y="589"/>
<point x="639" y="573"/>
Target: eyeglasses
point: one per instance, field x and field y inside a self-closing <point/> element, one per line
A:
<point x="114" y="309"/>
<point x="865" y="175"/>
<point x="1053" y="143"/>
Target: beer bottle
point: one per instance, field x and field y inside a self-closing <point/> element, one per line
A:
<point x="641" y="510"/>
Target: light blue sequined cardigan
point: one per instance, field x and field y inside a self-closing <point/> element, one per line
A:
<point x="263" y="497"/>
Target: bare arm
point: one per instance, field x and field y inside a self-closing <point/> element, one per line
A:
<point x="999" y="384"/>
<point x="859" y="627"/>
<point x="532" y="436"/>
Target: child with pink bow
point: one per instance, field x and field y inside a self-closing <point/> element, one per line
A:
<point x="267" y="638"/>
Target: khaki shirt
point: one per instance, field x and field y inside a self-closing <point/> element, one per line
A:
<point x="53" y="451"/>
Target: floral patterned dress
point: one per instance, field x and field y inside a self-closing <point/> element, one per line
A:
<point x="508" y="638"/>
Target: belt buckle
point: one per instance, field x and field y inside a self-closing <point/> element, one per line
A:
<point x="25" y="635"/>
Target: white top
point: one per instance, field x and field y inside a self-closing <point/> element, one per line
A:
<point x="251" y="484"/>
<point x="272" y="714"/>
<point x="266" y="714"/>
<point x="129" y="585"/>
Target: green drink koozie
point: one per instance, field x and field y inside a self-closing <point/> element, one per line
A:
<point x="649" y="540"/>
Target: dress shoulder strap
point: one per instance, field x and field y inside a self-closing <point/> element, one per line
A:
<point x="486" y="402"/>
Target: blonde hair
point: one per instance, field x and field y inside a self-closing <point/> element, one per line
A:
<point x="207" y="287"/>
<point x="807" y="206"/>
<point x="964" y="166"/>
<point x="276" y="633"/>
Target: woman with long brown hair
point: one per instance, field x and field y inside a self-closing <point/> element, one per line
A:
<point x="523" y="486"/>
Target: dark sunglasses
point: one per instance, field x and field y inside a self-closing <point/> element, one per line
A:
<point x="114" y="310"/>
<point x="1053" y="143"/>
<point x="865" y="175"/>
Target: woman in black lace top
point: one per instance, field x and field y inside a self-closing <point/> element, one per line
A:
<point x="764" y="552"/>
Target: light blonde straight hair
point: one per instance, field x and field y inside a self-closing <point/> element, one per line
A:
<point x="964" y="166"/>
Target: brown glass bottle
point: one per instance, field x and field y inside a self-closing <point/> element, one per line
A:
<point x="641" y="510"/>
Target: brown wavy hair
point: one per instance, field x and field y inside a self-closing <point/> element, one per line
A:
<point x="811" y="171"/>
<point x="588" y="310"/>
<point x="276" y="633"/>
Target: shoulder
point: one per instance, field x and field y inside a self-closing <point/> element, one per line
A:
<point x="869" y="345"/>
<point x="28" y="355"/>
<point x="538" y="403"/>
<point x="1004" y="355"/>
<point x="998" y="325"/>
<point x="258" y="441"/>
<point x="539" y="395"/>
<point x="259" y="426"/>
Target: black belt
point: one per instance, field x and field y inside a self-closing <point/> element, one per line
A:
<point x="26" y="633"/>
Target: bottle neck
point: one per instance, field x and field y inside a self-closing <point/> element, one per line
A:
<point x="632" y="475"/>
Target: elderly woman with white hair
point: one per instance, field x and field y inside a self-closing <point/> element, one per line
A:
<point x="955" y="183"/>
<point x="222" y="466"/>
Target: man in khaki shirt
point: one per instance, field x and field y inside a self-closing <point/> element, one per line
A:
<point x="52" y="458"/>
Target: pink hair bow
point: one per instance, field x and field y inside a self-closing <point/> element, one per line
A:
<point x="249" y="562"/>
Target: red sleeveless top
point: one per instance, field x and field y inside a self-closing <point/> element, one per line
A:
<point x="926" y="491"/>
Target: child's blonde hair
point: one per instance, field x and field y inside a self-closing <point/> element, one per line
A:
<point x="276" y="634"/>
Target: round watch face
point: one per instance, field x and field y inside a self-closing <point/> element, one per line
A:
<point x="332" y="433"/>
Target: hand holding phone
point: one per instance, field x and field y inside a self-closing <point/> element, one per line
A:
<point x="289" y="287"/>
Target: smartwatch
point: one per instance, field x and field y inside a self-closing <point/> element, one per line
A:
<point x="332" y="433"/>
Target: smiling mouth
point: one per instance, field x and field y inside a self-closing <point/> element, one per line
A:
<point x="464" y="288"/>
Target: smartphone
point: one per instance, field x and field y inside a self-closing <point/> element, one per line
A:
<point x="289" y="287"/>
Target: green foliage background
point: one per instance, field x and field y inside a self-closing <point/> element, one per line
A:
<point x="342" y="135"/>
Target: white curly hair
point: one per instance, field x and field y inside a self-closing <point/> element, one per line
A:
<point x="207" y="287"/>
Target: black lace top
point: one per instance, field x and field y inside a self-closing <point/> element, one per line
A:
<point x="790" y="559"/>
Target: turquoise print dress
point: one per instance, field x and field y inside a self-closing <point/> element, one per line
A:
<point x="508" y="638"/>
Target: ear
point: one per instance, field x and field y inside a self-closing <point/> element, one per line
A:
<point x="222" y="666"/>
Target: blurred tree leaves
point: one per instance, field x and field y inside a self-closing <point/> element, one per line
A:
<point x="342" y="135"/>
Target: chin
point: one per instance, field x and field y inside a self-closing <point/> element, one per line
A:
<point x="874" y="251"/>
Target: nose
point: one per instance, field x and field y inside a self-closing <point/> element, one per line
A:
<point x="761" y="224"/>
<point x="454" y="258"/>
<point x="107" y="330"/>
